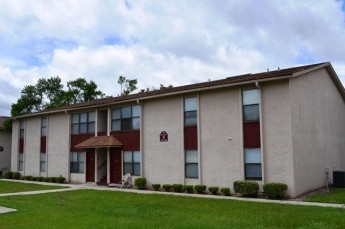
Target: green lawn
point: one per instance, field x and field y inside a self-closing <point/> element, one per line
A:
<point x="108" y="209"/>
<point x="10" y="187"/>
<point x="336" y="196"/>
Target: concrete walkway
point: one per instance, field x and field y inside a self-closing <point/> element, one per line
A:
<point x="92" y="186"/>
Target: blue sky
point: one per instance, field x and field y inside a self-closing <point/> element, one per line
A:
<point x="162" y="42"/>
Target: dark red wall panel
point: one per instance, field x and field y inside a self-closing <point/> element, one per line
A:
<point x="43" y="144"/>
<point x="76" y="139"/>
<point x="21" y="145"/>
<point x="115" y="165"/>
<point x="129" y="139"/>
<point x="190" y="137"/>
<point x="251" y="135"/>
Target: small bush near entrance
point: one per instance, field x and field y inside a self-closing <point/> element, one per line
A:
<point x="16" y="175"/>
<point x="214" y="190"/>
<point x="167" y="187"/>
<point x="246" y="188"/>
<point x="177" y="188"/>
<point x="225" y="191"/>
<point x="188" y="188"/>
<point x="200" y="188"/>
<point x="275" y="190"/>
<point x="140" y="183"/>
<point x="8" y="175"/>
<point x="156" y="187"/>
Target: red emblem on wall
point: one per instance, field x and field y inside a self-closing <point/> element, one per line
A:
<point x="163" y="136"/>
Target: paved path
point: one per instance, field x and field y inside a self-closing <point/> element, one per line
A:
<point x="92" y="186"/>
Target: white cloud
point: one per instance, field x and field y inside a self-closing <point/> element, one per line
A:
<point x="163" y="42"/>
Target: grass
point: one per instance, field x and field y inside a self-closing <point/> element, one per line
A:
<point x="335" y="196"/>
<point x="11" y="187"/>
<point x="109" y="209"/>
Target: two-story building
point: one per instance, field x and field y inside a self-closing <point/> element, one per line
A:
<point x="5" y="146"/>
<point x="285" y="126"/>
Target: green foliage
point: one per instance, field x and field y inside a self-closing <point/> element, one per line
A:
<point x="177" y="188"/>
<point x="16" y="175"/>
<point x="140" y="183"/>
<point x="8" y="125"/>
<point x="52" y="179"/>
<point x="156" y="187"/>
<point x="200" y="188"/>
<point x="167" y="187"/>
<point x="275" y="190"/>
<point x="8" y="175"/>
<point x="214" y="190"/>
<point x="46" y="179"/>
<point x="246" y="188"/>
<point x="188" y="188"/>
<point x="60" y="179"/>
<point x="225" y="191"/>
<point x="40" y="179"/>
<point x="127" y="84"/>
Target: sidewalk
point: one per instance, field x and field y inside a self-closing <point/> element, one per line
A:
<point x="92" y="186"/>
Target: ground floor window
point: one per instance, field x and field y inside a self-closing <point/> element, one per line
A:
<point x="131" y="162"/>
<point x="252" y="163"/>
<point x="43" y="162"/>
<point x="77" y="162"/>
<point x="192" y="164"/>
<point x="21" y="162"/>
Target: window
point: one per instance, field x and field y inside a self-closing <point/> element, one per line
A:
<point x="251" y="100"/>
<point x="42" y="162"/>
<point x="77" y="162"/>
<point x="83" y="123"/>
<point x="192" y="170"/>
<point x="190" y="111"/>
<point x="252" y="160"/>
<point x="44" y="126"/>
<point x="126" y="118"/>
<point x="21" y="129"/>
<point x="131" y="162"/>
<point x="21" y="162"/>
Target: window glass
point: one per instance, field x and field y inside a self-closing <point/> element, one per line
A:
<point x="190" y="104"/>
<point x="253" y="171"/>
<point x="252" y="155"/>
<point x="91" y="116"/>
<point x="127" y="157"/>
<point x="83" y="117"/>
<point x="126" y="124"/>
<point x="251" y="112"/>
<point x="192" y="170"/>
<point x="251" y="97"/>
<point x="191" y="156"/>
<point x="75" y="118"/>
<point x="135" y="123"/>
<point x="44" y="131"/>
<point x="116" y="125"/>
<point x="126" y="112"/>
<point x="74" y="157"/>
<point x="80" y="167"/>
<point x="136" y="111"/>
<point x="127" y="168"/>
<point x="91" y="127"/>
<point x="116" y="113"/>
<point x="75" y="128"/>
<point x="21" y="124"/>
<point x="136" y="156"/>
<point x="136" y="169"/>
<point x="81" y="157"/>
<point x="190" y="118"/>
<point x="44" y="121"/>
<point x="83" y="128"/>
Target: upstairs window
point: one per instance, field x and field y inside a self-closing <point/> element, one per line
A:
<point x="126" y="118"/>
<point x="44" y="126"/>
<point x="83" y="123"/>
<point x="21" y="129"/>
<point x="251" y="101"/>
<point x="190" y="111"/>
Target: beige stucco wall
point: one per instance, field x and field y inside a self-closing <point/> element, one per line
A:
<point x="5" y="156"/>
<point x="32" y="146"/>
<point x="318" y="121"/>
<point x="163" y="162"/>
<point x="58" y="141"/>
<point x="15" y="146"/>
<point x="220" y="119"/>
<point x="276" y="133"/>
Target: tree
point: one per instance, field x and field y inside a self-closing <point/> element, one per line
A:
<point x="129" y="85"/>
<point x="80" y="90"/>
<point x="163" y="87"/>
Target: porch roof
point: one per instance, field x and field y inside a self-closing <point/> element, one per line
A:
<point x="99" y="142"/>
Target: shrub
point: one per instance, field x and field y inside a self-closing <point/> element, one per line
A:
<point x="246" y="188"/>
<point x="140" y="183"/>
<point x="46" y="179"/>
<point x="200" y="188"/>
<point x="8" y="175"/>
<point x="275" y="190"/>
<point x="16" y="175"/>
<point x="156" y="187"/>
<point x="225" y="191"/>
<point x="52" y="179"/>
<point x="167" y="187"/>
<point x="188" y="188"/>
<point x="27" y="177"/>
<point x="60" y="179"/>
<point x="214" y="190"/>
<point x="33" y="178"/>
<point x="177" y="188"/>
<point x="40" y="179"/>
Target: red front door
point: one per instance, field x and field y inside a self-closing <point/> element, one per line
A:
<point x="90" y="166"/>
<point x="115" y="165"/>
